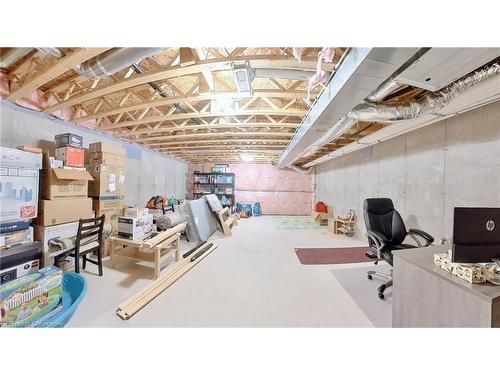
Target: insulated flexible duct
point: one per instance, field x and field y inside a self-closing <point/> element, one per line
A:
<point x="114" y="60"/>
<point x="386" y="113"/>
<point x="430" y="104"/>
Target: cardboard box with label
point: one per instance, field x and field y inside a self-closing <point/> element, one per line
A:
<point x="107" y="159"/>
<point x="135" y="211"/>
<point x="64" y="183"/>
<point x="70" y="156"/>
<point x="135" y="228"/>
<point x="321" y="218"/>
<point x="109" y="180"/>
<point x="108" y="148"/>
<point x="68" y="139"/>
<point x="45" y="234"/>
<point x="66" y="210"/>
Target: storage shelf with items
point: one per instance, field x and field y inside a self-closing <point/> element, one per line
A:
<point x="220" y="184"/>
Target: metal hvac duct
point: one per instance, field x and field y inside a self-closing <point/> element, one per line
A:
<point x="302" y="75"/>
<point x="300" y="169"/>
<point x="51" y="51"/>
<point x="386" y="113"/>
<point x="114" y="60"/>
<point x="430" y="104"/>
<point x="13" y="55"/>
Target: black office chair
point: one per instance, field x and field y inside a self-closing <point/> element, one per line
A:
<point x="89" y="239"/>
<point x="386" y="232"/>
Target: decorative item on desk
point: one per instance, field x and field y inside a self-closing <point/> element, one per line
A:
<point x="473" y="273"/>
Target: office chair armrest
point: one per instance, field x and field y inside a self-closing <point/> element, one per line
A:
<point x="379" y="240"/>
<point x="415" y="233"/>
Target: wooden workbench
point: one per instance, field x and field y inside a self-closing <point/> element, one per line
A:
<point x="154" y="250"/>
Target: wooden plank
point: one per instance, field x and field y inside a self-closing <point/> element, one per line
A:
<point x="271" y="93"/>
<point x="191" y="115"/>
<point x="159" y="238"/>
<point x="228" y="126"/>
<point x="54" y="70"/>
<point x="220" y="134"/>
<point x="131" y="306"/>
<point x="256" y="61"/>
<point x="222" y="141"/>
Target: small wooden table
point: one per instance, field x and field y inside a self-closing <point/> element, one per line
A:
<point x="152" y="250"/>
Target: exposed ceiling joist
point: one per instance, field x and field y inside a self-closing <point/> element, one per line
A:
<point x="191" y="115"/>
<point x="54" y="70"/>
<point x="257" y="61"/>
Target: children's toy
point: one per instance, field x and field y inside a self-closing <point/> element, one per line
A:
<point x="32" y="299"/>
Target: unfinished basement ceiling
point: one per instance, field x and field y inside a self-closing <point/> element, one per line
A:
<point x="180" y="101"/>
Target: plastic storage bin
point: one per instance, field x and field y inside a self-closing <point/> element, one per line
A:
<point x="74" y="289"/>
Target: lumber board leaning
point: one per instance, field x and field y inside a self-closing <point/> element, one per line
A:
<point x="131" y="306"/>
<point x="160" y="237"/>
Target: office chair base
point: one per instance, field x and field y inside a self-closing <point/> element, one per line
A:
<point x="381" y="274"/>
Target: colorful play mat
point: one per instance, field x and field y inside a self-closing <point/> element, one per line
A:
<point x="295" y="223"/>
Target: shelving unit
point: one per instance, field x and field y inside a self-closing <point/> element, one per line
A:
<point x="220" y="184"/>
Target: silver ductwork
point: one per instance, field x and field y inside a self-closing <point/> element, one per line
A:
<point x="12" y="56"/>
<point x="51" y="51"/>
<point x="430" y="104"/>
<point x="114" y="60"/>
<point x="296" y="74"/>
<point x="370" y="111"/>
<point x="300" y="169"/>
<point x="387" y="88"/>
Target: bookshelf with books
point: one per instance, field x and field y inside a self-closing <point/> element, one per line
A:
<point x="220" y="184"/>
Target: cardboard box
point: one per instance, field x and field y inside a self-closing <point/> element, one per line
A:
<point x="68" y="139"/>
<point x="54" y="163"/>
<point x="19" y="177"/>
<point x="107" y="159"/>
<point x="64" y="183"/>
<point x="135" y="212"/>
<point x="61" y="211"/>
<point x="109" y="181"/>
<point x="71" y="156"/>
<point x="45" y="234"/>
<point x="111" y="214"/>
<point x="26" y="148"/>
<point x="105" y="203"/>
<point x="31" y="299"/>
<point x="19" y="237"/>
<point x="108" y="148"/>
<point x="135" y="228"/>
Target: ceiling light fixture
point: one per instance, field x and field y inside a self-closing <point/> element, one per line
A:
<point x="243" y="76"/>
<point x="246" y="157"/>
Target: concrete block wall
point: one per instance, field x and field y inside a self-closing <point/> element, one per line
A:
<point x="427" y="172"/>
<point x="148" y="173"/>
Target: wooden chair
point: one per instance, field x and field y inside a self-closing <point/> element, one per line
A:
<point x="89" y="239"/>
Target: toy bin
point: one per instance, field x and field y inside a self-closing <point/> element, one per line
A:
<point x="74" y="289"/>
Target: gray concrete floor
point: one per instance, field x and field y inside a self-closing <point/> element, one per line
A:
<point x="253" y="279"/>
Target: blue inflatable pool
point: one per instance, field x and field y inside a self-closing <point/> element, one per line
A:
<point x="74" y="289"/>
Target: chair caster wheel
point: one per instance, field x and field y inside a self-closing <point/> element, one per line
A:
<point x="369" y="277"/>
<point x="381" y="295"/>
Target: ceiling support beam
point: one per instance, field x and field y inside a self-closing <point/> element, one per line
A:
<point x="256" y="61"/>
<point x="54" y="70"/>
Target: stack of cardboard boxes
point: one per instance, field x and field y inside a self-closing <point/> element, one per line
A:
<point x="64" y="192"/>
<point x="107" y="167"/>
<point x="19" y="180"/>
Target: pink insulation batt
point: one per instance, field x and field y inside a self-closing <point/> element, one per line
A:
<point x="280" y="192"/>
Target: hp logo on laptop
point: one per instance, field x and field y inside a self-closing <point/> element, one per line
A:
<point x="490" y="225"/>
